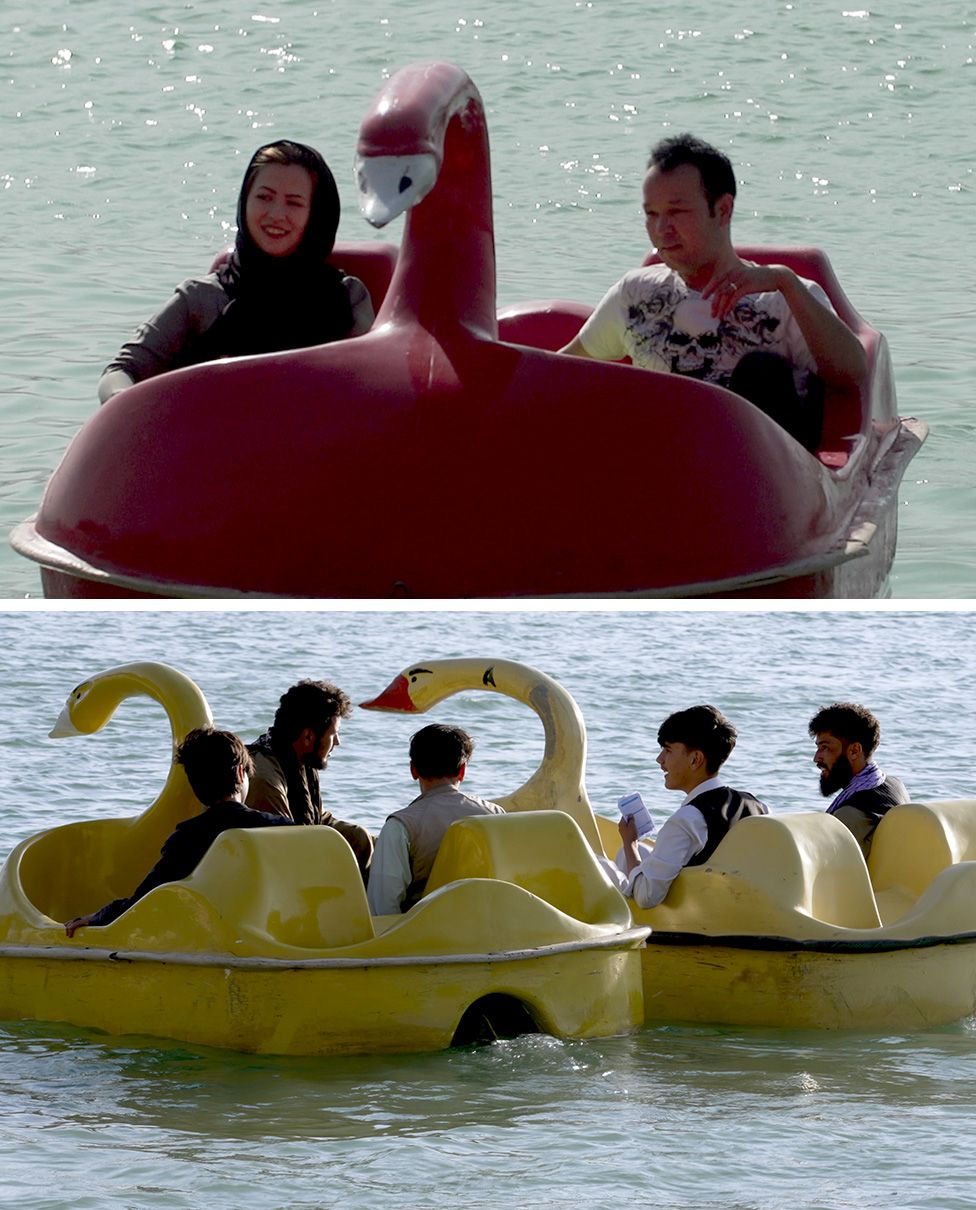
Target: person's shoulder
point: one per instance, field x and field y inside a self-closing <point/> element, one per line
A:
<point x="891" y="792"/>
<point x="492" y="808"/>
<point x="688" y="812"/>
<point x="750" y="801"/>
<point x="202" y="296"/>
<point x="238" y="815"/>
<point x="648" y="277"/>
<point x="266" y="764"/>
<point x="199" y="287"/>
<point x="723" y="798"/>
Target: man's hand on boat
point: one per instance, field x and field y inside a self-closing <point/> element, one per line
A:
<point x="79" y="922"/>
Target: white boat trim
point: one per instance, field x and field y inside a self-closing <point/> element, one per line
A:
<point x="626" y="939"/>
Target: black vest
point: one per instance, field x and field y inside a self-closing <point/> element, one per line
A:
<point x="722" y="808"/>
<point x="878" y="801"/>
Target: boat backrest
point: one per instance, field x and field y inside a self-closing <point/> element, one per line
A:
<point x="372" y="261"/>
<point x="297" y="886"/>
<point x="768" y="873"/>
<point x="543" y="852"/>
<point x="542" y="325"/>
<point x="916" y="841"/>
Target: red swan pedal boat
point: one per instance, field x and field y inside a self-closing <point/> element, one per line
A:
<point x="450" y="453"/>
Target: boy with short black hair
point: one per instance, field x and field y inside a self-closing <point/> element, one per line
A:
<point x="409" y="840"/>
<point x="695" y="743"/>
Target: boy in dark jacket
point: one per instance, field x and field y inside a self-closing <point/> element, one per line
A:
<point x="217" y="766"/>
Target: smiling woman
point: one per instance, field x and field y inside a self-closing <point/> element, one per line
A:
<point x="275" y="291"/>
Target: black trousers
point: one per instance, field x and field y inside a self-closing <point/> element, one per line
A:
<point x="766" y="379"/>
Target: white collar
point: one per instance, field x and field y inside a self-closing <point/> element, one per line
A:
<point x="713" y="783"/>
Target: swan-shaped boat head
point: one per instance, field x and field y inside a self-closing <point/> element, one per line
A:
<point x="91" y="704"/>
<point x="558" y="783"/>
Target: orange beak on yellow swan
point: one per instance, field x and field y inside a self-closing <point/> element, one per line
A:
<point x="396" y="696"/>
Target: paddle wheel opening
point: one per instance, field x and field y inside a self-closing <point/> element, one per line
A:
<point x="493" y="1018"/>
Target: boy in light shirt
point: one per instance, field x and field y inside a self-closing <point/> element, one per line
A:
<point x="695" y="743"/>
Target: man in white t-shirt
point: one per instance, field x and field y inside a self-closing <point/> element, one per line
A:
<point x="704" y="312"/>
<point x="695" y="743"/>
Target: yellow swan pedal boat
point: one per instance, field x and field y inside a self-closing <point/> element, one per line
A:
<point x="786" y="925"/>
<point x="269" y="945"/>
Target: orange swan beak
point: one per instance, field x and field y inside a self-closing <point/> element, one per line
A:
<point x="396" y="696"/>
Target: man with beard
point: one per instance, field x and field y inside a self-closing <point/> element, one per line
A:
<point x="846" y="736"/>
<point x="289" y="756"/>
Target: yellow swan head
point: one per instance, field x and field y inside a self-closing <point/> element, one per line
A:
<point x="558" y="782"/>
<point x="421" y="686"/>
<point x="91" y="704"/>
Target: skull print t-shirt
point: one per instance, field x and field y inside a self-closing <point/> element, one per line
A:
<point x="653" y="318"/>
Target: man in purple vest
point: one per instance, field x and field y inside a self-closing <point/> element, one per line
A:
<point x="695" y="743"/>
<point x="409" y="840"/>
<point x="846" y="736"/>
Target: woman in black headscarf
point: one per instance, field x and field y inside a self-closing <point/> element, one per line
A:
<point x="275" y="291"/>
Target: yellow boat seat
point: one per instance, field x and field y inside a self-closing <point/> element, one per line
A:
<point x="256" y="891"/>
<point x="773" y="875"/>
<point x="297" y="886"/>
<point x="913" y="843"/>
<point x="544" y="852"/>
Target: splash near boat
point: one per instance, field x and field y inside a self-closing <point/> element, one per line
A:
<point x="567" y="469"/>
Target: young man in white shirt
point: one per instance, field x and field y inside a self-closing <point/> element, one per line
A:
<point x="695" y="743"/>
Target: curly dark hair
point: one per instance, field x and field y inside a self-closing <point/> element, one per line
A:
<point x="309" y="704"/>
<point x="849" y="722"/>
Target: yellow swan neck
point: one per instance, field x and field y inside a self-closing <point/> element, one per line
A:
<point x="92" y="704"/>
<point x="558" y="782"/>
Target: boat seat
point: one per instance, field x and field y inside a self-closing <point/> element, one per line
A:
<point x="544" y="852"/>
<point x="298" y="886"/>
<point x="542" y="325"/>
<point x="769" y="875"/>
<point x="916" y="841"/>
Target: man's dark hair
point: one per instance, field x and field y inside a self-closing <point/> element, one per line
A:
<point x="701" y="727"/>
<point x="714" y="166"/>
<point x="309" y="704"/>
<point x="440" y="750"/>
<point x="849" y="722"/>
<point x="214" y="761"/>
